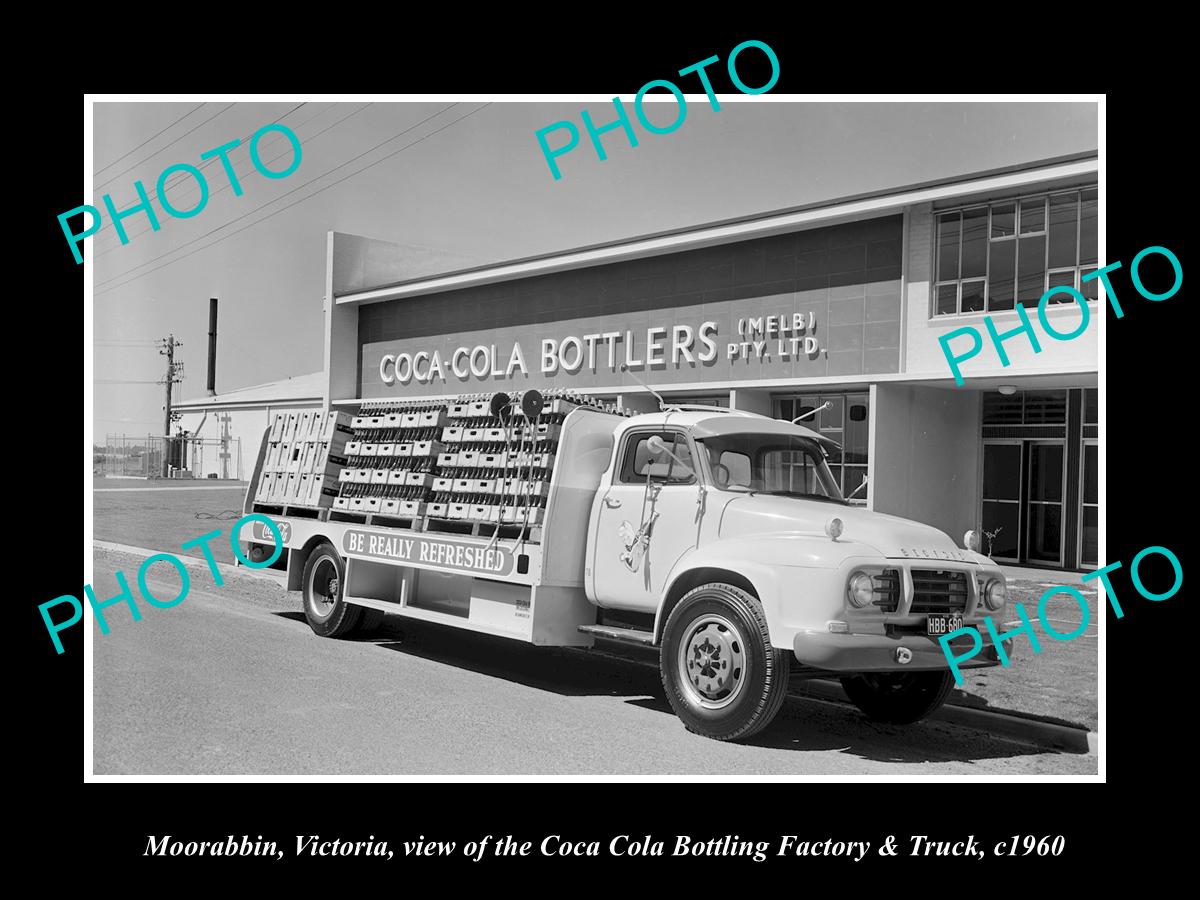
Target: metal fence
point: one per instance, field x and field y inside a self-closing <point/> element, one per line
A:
<point x="141" y="456"/>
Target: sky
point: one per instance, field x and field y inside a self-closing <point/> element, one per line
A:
<point x="468" y="180"/>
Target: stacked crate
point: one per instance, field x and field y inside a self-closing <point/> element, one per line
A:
<point x="497" y="468"/>
<point x="305" y="452"/>
<point x="392" y="457"/>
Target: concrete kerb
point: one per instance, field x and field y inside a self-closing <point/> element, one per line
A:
<point x="195" y="561"/>
<point x="1011" y="725"/>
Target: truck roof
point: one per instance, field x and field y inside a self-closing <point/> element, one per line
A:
<point x="709" y="422"/>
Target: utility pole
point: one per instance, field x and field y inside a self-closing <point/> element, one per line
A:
<point x="225" y="420"/>
<point x="173" y="376"/>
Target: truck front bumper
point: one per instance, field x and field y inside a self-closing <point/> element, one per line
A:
<point x="882" y="653"/>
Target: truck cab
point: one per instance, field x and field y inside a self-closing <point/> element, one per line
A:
<point x="725" y="534"/>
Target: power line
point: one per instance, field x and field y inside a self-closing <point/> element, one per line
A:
<point x="273" y="200"/>
<point x="117" y="243"/>
<point x="120" y="381"/>
<point x="290" y="205"/>
<point x="161" y="149"/>
<point x="154" y="195"/>
<point x="146" y="141"/>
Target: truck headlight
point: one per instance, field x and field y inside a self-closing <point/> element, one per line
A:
<point x="861" y="590"/>
<point x="972" y="540"/>
<point x="995" y="593"/>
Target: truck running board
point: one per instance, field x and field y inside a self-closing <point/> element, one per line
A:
<point x="613" y="633"/>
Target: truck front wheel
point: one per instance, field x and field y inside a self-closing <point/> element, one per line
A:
<point x="898" y="698"/>
<point x="721" y="674"/>
<point x="324" y="583"/>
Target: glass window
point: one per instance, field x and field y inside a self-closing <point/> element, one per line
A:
<point x="1004" y="220"/>
<point x="972" y="296"/>
<point x="847" y="421"/>
<point x="1091" y="406"/>
<point x="776" y="463"/>
<point x="1061" y="279"/>
<point x="974" y="242"/>
<point x="993" y="257"/>
<point x="1089" y="512"/>
<point x="948" y="230"/>
<point x="1031" y="270"/>
<point x="1002" y="472"/>
<point x="947" y="298"/>
<point x="1033" y="215"/>
<point x="1064" y="230"/>
<point x="1001" y="268"/>
<point x="1089" y="209"/>
<point x="642" y="462"/>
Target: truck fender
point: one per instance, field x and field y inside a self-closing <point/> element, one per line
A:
<point x="757" y="565"/>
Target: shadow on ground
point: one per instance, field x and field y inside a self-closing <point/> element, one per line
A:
<point x="804" y="724"/>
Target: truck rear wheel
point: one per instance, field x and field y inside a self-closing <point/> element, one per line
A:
<point x="324" y="581"/>
<point x="721" y="674"/>
<point x="898" y="698"/>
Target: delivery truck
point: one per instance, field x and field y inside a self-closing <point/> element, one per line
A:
<point x="717" y="537"/>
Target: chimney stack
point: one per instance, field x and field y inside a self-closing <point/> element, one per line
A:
<point x="212" y="346"/>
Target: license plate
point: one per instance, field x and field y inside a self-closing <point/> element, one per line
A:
<point x="943" y="624"/>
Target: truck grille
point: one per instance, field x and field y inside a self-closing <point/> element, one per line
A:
<point x="887" y="589"/>
<point x="938" y="591"/>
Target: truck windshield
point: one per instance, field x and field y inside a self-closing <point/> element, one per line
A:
<point x="771" y="464"/>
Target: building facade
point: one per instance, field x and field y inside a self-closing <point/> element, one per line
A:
<point x="224" y="430"/>
<point x="841" y="303"/>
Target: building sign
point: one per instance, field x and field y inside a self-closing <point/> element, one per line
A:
<point x="445" y="554"/>
<point x="779" y="336"/>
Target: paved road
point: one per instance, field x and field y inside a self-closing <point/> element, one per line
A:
<point x="232" y="681"/>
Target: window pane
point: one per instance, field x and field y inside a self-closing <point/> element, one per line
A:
<point x="1091" y="536"/>
<point x="1000" y="274"/>
<point x="1091" y="406"/>
<point x="974" y="243"/>
<point x="1045" y="472"/>
<point x="854" y="478"/>
<point x="1091" y="474"/>
<point x="831" y="419"/>
<point x="1089" y="289"/>
<point x="1064" y="221"/>
<point x="1045" y="407"/>
<point x="972" y="296"/>
<point x="1031" y="260"/>
<point x="1003" y="216"/>
<point x="1000" y="521"/>
<point x="947" y="300"/>
<point x="1061" y="279"/>
<point x="1001" y="410"/>
<point x="857" y="426"/>
<point x="1033" y="215"/>
<point x="1087" y="228"/>
<point x="1045" y="531"/>
<point x="948" y="247"/>
<point x="1002" y="471"/>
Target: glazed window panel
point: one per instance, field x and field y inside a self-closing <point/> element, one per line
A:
<point x="992" y="257"/>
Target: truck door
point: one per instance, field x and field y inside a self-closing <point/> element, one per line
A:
<point x="649" y="517"/>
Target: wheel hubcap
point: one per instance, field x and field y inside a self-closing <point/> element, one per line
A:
<point x="324" y="586"/>
<point x="712" y="661"/>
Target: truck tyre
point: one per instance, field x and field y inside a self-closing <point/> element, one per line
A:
<point x="898" y="698"/>
<point x="323" y="584"/>
<point x="721" y="674"/>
